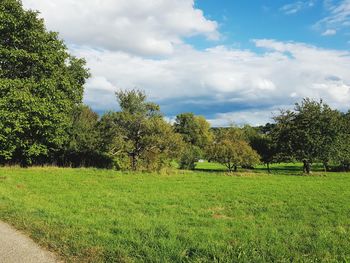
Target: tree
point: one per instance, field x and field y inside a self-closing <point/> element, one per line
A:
<point x="195" y="131"/>
<point x="341" y="149"/>
<point x="260" y="140"/>
<point x="143" y="135"/>
<point x="231" y="150"/>
<point x="308" y="133"/>
<point x="189" y="156"/>
<point x="265" y="147"/>
<point x="83" y="148"/>
<point x="108" y="131"/>
<point x="40" y="84"/>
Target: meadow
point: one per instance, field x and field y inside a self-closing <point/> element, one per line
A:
<point x="91" y="215"/>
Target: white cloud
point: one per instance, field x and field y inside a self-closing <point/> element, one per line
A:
<point x="222" y="83"/>
<point x="338" y="18"/>
<point x="223" y="79"/>
<point x="252" y="117"/>
<point x="293" y="8"/>
<point x="329" y="32"/>
<point x="137" y="26"/>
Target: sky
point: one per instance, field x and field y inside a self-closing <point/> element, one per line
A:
<point x="232" y="61"/>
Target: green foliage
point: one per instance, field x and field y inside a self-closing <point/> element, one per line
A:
<point x="84" y="148"/>
<point x="195" y="130"/>
<point x="190" y="155"/>
<point x="308" y="133"/>
<point x="261" y="141"/>
<point x="265" y="147"/>
<point x="196" y="133"/>
<point x="231" y="150"/>
<point x="84" y="134"/>
<point x="40" y="84"/>
<point x="141" y="134"/>
<point x="341" y="149"/>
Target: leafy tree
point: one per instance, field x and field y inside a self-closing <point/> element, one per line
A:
<point x="260" y="140"/>
<point x="194" y="129"/>
<point x="108" y="131"/>
<point x="231" y="150"/>
<point x="40" y="84"/>
<point x="341" y="152"/>
<point x="143" y="135"/>
<point x="265" y="147"/>
<point x="84" y="146"/>
<point x="84" y="134"/>
<point x="164" y="145"/>
<point x="189" y="156"/>
<point x="196" y="133"/>
<point x="308" y="133"/>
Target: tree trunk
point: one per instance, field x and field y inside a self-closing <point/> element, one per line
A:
<point x="307" y="166"/>
<point x="235" y="169"/>
<point x="268" y="167"/>
<point x="325" y="166"/>
<point x="133" y="162"/>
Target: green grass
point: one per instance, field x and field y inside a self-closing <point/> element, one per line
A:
<point x="89" y="215"/>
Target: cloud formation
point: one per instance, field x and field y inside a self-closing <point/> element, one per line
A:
<point x="224" y="80"/>
<point x="138" y="26"/>
<point x="338" y="18"/>
<point x="329" y="32"/>
<point x="129" y="43"/>
<point x="295" y="7"/>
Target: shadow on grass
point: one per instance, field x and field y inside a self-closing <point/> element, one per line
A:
<point x="277" y="169"/>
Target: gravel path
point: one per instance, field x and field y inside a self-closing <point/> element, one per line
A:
<point x="18" y="248"/>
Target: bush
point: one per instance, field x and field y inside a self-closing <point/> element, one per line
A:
<point x="189" y="157"/>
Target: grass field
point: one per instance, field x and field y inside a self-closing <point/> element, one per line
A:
<point x="90" y="215"/>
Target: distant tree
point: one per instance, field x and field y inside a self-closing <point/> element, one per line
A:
<point x="83" y="148"/>
<point x="308" y="133"/>
<point x="108" y="130"/>
<point x="196" y="133"/>
<point x="260" y="140"/>
<point x="164" y="145"/>
<point x="194" y="129"/>
<point x="190" y="155"/>
<point x="230" y="149"/>
<point x="143" y="135"/>
<point x="265" y="147"/>
<point x="267" y="128"/>
<point x="84" y="134"/>
<point x="40" y="84"/>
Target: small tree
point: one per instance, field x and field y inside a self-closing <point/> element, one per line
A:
<point x="232" y="151"/>
<point x="189" y="156"/>
<point x="260" y="140"/>
<point x="141" y="134"/>
<point x="83" y="148"/>
<point x="195" y="131"/>
<point x="265" y="147"/>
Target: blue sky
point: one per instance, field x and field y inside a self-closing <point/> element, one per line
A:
<point x="231" y="61"/>
<point x="241" y="21"/>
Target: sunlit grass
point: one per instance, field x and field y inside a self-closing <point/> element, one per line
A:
<point x="106" y="216"/>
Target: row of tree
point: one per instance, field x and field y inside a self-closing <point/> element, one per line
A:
<point x="43" y="119"/>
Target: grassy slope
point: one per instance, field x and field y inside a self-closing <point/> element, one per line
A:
<point x="96" y="215"/>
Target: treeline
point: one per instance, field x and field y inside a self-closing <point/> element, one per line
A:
<point x="44" y="122"/>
